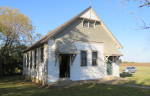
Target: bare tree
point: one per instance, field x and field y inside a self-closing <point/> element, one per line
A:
<point x="144" y="3"/>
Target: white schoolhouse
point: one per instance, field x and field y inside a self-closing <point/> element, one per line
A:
<point x="81" y="49"/>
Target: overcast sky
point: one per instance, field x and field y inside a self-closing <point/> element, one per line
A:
<point x="124" y="19"/>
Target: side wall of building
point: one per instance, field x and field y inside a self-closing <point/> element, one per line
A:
<point x="53" y="65"/>
<point x="86" y="39"/>
<point x="78" y="72"/>
<point x="77" y="32"/>
<point x="88" y="72"/>
<point x="36" y="70"/>
<point x="115" y="69"/>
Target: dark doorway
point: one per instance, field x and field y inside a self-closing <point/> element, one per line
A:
<point x="64" y="69"/>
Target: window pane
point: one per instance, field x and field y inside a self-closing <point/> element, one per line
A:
<point x="94" y="58"/>
<point x="27" y="60"/>
<point x="94" y="62"/>
<point x="85" y="23"/>
<point x="83" y="58"/>
<point x="94" y="55"/>
<point x="91" y="24"/>
<point x="31" y="59"/>
<point x="35" y="58"/>
<point x="42" y="54"/>
<point x="24" y="60"/>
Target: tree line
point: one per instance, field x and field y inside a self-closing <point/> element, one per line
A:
<point x="16" y="33"/>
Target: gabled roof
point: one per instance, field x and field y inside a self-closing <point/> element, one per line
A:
<point x="88" y="13"/>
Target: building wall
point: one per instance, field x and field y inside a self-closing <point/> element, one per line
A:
<point x="115" y="68"/>
<point x="88" y="72"/>
<point x="77" y="32"/>
<point x="53" y="66"/>
<point x="78" y="72"/>
<point x="38" y="74"/>
<point x="86" y="39"/>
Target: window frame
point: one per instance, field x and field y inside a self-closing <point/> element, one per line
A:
<point x="42" y="54"/>
<point x="91" y="23"/>
<point x="83" y="58"/>
<point x="35" y="57"/>
<point x="27" y="60"/>
<point x="31" y="59"/>
<point x="84" y="23"/>
<point x="88" y="23"/>
<point x="94" y="59"/>
<point x="24" y="60"/>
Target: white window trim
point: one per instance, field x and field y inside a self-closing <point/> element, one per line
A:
<point x="86" y="58"/>
<point x="96" y="58"/>
<point x="88" y="24"/>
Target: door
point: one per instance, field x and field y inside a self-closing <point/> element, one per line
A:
<point x="109" y="67"/>
<point x="64" y="68"/>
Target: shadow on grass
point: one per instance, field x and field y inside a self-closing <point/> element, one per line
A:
<point x="89" y="89"/>
<point x="15" y="78"/>
<point x="142" y="83"/>
<point x="125" y="74"/>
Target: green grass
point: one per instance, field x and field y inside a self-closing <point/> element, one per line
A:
<point x="141" y="77"/>
<point x="15" y="86"/>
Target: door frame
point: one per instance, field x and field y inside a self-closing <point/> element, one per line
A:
<point x="60" y="61"/>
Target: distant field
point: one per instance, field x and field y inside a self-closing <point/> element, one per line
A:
<point x="135" y="64"/>
<point x="142" y="76"/>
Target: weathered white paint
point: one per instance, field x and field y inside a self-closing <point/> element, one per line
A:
<point x="78" y="72"/>
<point x="90" y="14"/>
<point x="115" y="69"/>
<point x="53" y="66"/>
<point x="88" y="72"/>
<point x="40" y="72"/>
<point x="50" y="73"/>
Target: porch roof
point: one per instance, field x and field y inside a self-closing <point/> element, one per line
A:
<point x="112" y="52"/>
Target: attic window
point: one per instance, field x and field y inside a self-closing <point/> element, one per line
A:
<point x="88" y="24"/>
<point x="91" y="24"/>
<point x="85" y="24"/>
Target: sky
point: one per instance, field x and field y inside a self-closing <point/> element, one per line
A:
<point x="123" y="18"/>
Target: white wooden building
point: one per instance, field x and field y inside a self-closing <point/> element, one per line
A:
<point x="81" y="49"/>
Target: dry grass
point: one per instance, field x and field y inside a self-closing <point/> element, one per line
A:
<point x="135" y="64"/>
<point x="142" y="75"/>
<point x="15" y="86"/>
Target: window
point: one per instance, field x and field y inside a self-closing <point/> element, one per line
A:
<point x="91" y="24"/>
<point x="24" y="60"/>
<point x="83" y="58"/>
<point x="31" y="59"/>
<point x="35" y="58"/>
<point x="85" y="24"/>
<point x="88" y="24"/>
<point x="42" y="54"/>
<point x="27" y="60"/>
<point x="94" y="58"/>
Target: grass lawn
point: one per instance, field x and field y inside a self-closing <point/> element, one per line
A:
<point x="15" y="86"/>
<point x="141" y="77"/>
